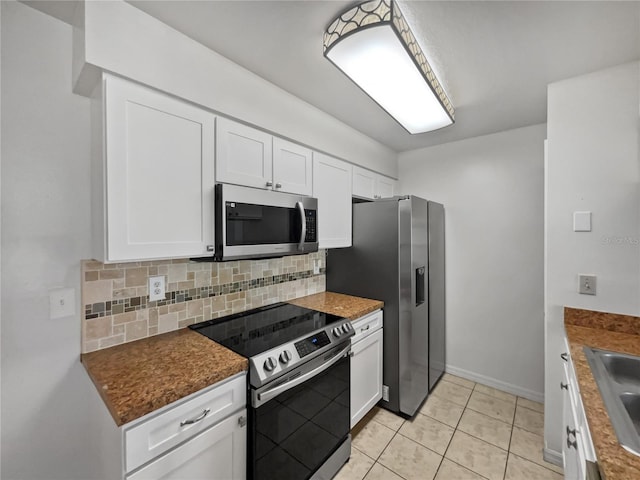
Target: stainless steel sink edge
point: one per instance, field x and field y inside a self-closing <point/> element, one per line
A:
<point x="610" y="391"/>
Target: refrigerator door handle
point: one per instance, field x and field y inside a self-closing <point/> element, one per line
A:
<point x="420" y="286"/>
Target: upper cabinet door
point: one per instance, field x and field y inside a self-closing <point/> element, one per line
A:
<point x="372" y="185"/>
<point x="364" y="183"/>
<point x="385" y="186"/>
<point x="332" y="188"/>
<point x="158" y="174"/>
<point x="243" y="155"/>
<point x="292" y="167"/>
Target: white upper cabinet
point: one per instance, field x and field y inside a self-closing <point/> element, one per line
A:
<point x="292" y="167"/>
<point x="372" y="185"/>
<point x="332" y="188"/>
<point x="244" y="155"/>
<point x="386" y="187"/>
<point x="247" y="156"/>
<point x="153" y="174"/>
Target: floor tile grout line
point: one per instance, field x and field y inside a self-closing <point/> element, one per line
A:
<point x="534" y="462"/>
<point x="504" y="475"/>
<point x="467" y="468"/>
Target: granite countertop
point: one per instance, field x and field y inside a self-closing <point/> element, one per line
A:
<point x="345" y="306"/>
<point x="139" y="377"/>
<point x="620" y="333"/>
<point x="136" y="378"/>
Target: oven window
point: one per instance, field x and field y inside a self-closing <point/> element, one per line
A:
<point x="293" y="434"/>
<point x="249" y="224"/>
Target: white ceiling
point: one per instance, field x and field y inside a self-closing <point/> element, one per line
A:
<point x="495" y="59"/>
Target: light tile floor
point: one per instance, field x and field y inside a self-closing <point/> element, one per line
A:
<point x="464" y="431"/>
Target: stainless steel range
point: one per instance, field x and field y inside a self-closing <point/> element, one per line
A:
<point x="298" y="388"/>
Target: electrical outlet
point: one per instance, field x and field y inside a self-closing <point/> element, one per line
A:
<point x="587" y="284"/>
<point x="316" y="267"/>
<point x="62" y="302"/>
<point x="385" y="393"/>
<point x="156" y="288"/>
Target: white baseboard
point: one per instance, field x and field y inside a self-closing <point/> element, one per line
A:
<point x="552" y="456"/>
<point x="500" y="385"/>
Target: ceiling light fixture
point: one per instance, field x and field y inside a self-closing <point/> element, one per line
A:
<point x="373" y="45"/>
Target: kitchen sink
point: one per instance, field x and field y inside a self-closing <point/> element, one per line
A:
<point x="618" y="378"/>
<point x="623" y="369"/>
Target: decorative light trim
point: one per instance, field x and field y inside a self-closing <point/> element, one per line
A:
<point x="375" y="13"/>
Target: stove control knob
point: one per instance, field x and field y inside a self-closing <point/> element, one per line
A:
<point x="285" y="357"/>
<point x="337" y="332"/>
<point x="270" y="363"/>
<point x="345" y="328"/>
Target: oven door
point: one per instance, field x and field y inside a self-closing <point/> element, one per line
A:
<point x="253" y="223"/>
<point x="299" y="421"/>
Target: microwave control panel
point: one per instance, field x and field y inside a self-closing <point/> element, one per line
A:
<point x="310" y="216"/>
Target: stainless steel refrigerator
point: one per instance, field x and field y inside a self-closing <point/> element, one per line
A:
<point x="398" y="257"/>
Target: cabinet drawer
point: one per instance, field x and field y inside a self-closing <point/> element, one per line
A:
<point x="151" y="438"/>
<point x="218" y="453"/>
<point x="366" y="325"/>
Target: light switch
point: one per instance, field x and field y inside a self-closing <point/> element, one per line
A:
<point x="62" y="302"/>
<point x="587" y="284"/>
<point x="581" y="221"/>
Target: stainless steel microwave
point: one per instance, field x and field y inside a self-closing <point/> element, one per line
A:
<point x="255" y="223"/>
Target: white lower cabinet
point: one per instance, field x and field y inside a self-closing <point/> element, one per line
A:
<point x="366" y="365"/>
<point x="218" y="453"/>
<point x="202" y="436"/>
<point x="577" y="447"/>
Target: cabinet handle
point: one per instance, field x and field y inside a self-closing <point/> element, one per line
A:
<point x="365" y="328"/>
<point x="571" y="444"/>
<point x="278" y="185"/>
<point x="204" y="413"/>
<point x="564" y="386"/>
<point x="209" y="248"/>
<point x="564" y="356"/>
<point x="571" y="432"/>
<point x="242" y="420"/>
<point x="269" y="184"/>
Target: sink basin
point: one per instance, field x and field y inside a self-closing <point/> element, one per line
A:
<point x="631" y="402"/>
<point x="623" y="369"/>
<point x="618" y="378"/>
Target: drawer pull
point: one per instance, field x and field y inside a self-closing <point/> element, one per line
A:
<point x="204" y="413"/>
<point x="564" y="386"/>
<point x="366" y="328"/>
<point x="564" y="356"/>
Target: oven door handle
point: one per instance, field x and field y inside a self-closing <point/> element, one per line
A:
<point x="303" y="225"/>
<point x="275" y="391"/>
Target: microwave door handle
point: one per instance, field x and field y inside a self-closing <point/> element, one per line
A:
<point x="303" y="228"/>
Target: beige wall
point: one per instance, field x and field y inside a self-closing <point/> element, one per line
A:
<point x="492" y="191"/>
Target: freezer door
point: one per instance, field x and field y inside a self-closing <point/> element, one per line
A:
<point x="436" y="293"/>
<point x="414" y="305"/>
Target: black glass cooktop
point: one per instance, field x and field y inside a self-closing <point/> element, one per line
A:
<point x="256" y="331"/>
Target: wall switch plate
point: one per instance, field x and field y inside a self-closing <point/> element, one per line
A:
<point x="62" y="302"/>
<point x="587" y="284"/>
<point x="156" y="288"/>
<point x="316" y="267"/>
<point x="581" y="221"/>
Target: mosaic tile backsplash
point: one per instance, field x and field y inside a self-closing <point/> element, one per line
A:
<point x="117" y="307"/>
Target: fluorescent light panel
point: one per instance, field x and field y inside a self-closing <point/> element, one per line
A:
<point x="376" y="59"/>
